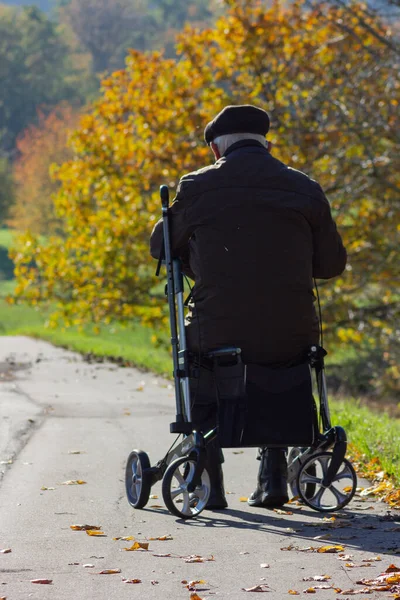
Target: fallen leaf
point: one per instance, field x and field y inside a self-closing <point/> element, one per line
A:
<point x="294" y="593"/>
<point x="95" y="532"/>
<point x="309" y="590"/>
<point x="5" y="551"/>
<point x="44" y="488"/>
<point x="195" y="596"/>
<point x="243" y="499"/>
<point x="109" y="571"/>
<point x="138" y="546"/>
<point x="126" y="538"/>
<point x="257" y="588"/>
<point x="194" y="558"/>
<point x="131" y="580"/>
<point x="85" y="527"/>
<point x="153" y="497"/>
<point x="330" y="549"/>
<point x="345" y="556"/>
<point x="88" y="566"/>
<point x="317" y="578"/>
<point x="156" y="505"/>
<point x="76" y="451"/>
<point x="191" y="586"/>
<point x="163" y="555"/>
<point x="374" y="558"/>
<point x="237" y="452"/>
<point x="279" y="511"/>
<point x="73" y="482"/>
<point x="41" y="581"/>
<point x="264" y="565"/>
<point x="392" y="569"/>
<point x="162" y="538"/>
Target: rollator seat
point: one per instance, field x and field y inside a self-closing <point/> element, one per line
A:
<point x="262" y="406"/>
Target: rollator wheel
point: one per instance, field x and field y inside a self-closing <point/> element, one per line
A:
<point x="337" y="494"/>
<point x="177" y="498"/>
<point x="137" y="481"/>
<point x="294" y="467"/>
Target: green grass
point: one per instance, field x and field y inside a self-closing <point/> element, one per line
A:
<point x="373" y="434"/>
<point x="131" y="343"/>
<point x="7" y="237"/>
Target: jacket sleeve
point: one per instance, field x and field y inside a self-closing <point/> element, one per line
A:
<point x="329" y="254"/>
<point x="181" y="230"/>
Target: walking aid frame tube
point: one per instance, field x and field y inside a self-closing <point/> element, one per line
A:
<point x="179" y="350"/>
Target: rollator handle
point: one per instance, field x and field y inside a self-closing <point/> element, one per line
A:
<point x="164" y="195"/>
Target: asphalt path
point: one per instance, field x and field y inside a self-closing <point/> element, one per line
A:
<point x="63" y="419"/>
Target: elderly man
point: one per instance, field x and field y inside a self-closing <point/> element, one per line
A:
<point x="252" y="232"/>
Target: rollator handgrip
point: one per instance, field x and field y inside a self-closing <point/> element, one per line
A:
<point x="164" y="195"/>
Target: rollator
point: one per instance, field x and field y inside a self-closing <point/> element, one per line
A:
<point x="257" y="407"/>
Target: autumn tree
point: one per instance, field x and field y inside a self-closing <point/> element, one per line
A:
<point x="332" y="91"/>
<point x="39" y="146"/>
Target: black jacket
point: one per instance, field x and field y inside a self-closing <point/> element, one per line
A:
<point x="253" y="233"/>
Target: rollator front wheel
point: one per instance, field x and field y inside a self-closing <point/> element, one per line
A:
<point x="326" y="498"/>
<point x="137" y="481"/>
<point x="177" y="498"/>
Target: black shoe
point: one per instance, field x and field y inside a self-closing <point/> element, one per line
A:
<point x="217" y="500"/>
<point x="271" y="491"/>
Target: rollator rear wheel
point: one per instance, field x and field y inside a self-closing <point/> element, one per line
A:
<point x="333" y="497"/>
<point x="294" y="467"/>
<point x="177" y="498"/>
<point x="137" y="481"/>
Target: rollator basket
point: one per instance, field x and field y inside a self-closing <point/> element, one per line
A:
<point x="261" y="406"/>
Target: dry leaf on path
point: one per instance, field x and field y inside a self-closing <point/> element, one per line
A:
<point x="243" y="498"/>
<point x="126" y="538"/>
<point x="73" y="482"/>
<point x="95" y="532"/>
<point x="44" y="488"/>
<point x="131" y="580"/>
<point x="194" y="558"/>
<point x="191" y="586"/>
<point x="317" y="578"/>
<point x="293" y="593"/>
<point x="162" y="538"/>
<point x="138" y="546"/>
<point x="279" y="511"/>
<point x="257" y="588"/>
<point x="164" y="555"/>
<point x="42" y="581"/>
<point x="109" y="571"/>
<point x="76" y="451"/>
<point x="309" y="590"/>
<point x="153" y="497"/>
<point x="85" y="527"/>
<point x="5" y="551"/>
<point x="195" y="596"/>
<point x="330" y="549"/>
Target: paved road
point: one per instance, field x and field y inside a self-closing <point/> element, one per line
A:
<point x="53" y="404"/>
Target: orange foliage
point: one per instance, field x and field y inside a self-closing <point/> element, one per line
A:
<point x="39" y="146"/>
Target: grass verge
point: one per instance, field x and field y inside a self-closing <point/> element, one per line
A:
<point x="374" y="437"/>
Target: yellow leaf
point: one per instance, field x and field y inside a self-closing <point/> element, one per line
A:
<point x="131" y="580"/>
<point x="138" y="546"/>
<point x="127" y="538"/>
<point x="243" y="499"/>
<point x="95" y="532"/>
<point x="162" y="538"/>
<point x="294" y="593"/>
<point x="331" y="549"/>
<point x="109" y="571"/>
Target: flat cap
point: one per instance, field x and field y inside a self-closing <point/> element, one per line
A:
<point x="243" y="118"/>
